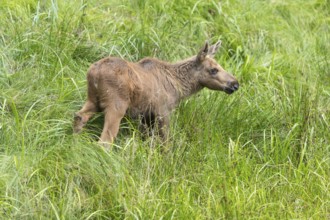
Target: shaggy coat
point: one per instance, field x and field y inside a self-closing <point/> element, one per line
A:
<point x="149" y="89"/>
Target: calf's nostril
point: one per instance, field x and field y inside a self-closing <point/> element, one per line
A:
<point x="233" y="85"/>
<point x="236" y="85"/>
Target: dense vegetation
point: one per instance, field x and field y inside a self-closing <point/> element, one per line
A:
<point x="261" y="153"/>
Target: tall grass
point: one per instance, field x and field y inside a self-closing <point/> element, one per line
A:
<point x="261" y="153"/>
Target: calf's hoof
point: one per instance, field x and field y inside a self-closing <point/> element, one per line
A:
<point x="78" y="123"/>
<point x="106" y="145"/>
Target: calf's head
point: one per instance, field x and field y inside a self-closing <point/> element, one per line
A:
<point x="211" y="74"/>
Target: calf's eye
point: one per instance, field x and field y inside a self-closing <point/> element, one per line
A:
<point x="213" y="71"/>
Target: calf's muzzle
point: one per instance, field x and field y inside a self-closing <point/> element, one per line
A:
<point x="232" y="86"/>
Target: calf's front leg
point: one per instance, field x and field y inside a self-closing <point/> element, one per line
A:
<point x="163" y="123"/>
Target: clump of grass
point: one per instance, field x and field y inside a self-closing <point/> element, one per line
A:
<point x="260" y="153"/>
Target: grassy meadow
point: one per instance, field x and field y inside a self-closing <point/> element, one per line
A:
<point x="260" y="153"/>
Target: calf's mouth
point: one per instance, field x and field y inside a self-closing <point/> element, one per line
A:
<point x="231" y="87"/>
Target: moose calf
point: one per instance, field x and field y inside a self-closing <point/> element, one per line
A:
<point x="149" y="89"/>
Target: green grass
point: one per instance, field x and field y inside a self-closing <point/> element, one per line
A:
<point x="261" y="153"/>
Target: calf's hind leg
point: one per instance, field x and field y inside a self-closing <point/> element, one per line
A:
<point x="90" y="107"/>
<point x="81" y="117"/>
<point x="112" y="120"/>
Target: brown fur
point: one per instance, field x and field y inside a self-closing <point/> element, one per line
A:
<point x="149" y="89"/>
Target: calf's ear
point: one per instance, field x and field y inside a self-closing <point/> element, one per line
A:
<point x="203" y="53"/>
<point x="214" y="49"/>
